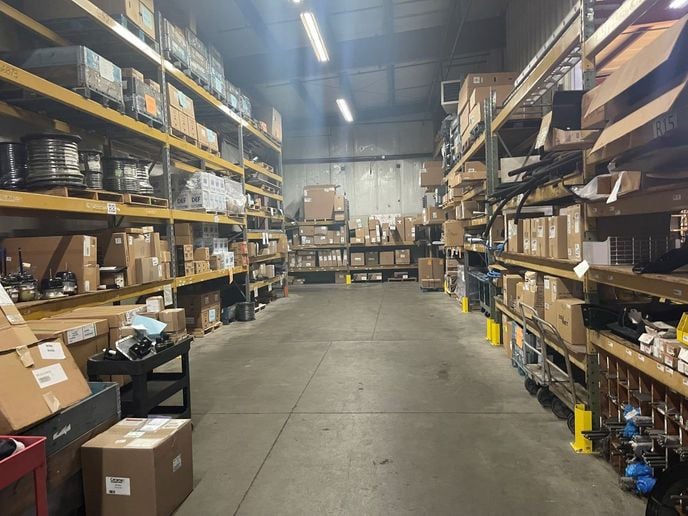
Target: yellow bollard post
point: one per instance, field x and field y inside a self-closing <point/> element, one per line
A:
<point x="465" y="307"/>
<point x="496" y="334"/>
<point x="488" y="329"/>
<point x="583" y="422"/>
<point x="348" y="279"/>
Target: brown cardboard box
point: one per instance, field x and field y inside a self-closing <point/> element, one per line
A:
<point x="339" y="204"/>
<point x="148" y="270"/>
<point x="431" y="174"/>
<point x="175" y="318"/>
<point x="320" y="230"/>
<point x="83" y="337"/>
<point x="402" y="257"/>
<point x="185" y="268"/>
<point x="207" y="138"/>
<point x="556" y="241"/>
<point x="433" y="215"/>
<point x="533" y="296"/>
<point x="574" y="231"/>
<point x="139" y="246"/>
<point x="509" y="282"/>
<point x="307" y="231"/>
<point x="76" y="253"/>
<point x="526" y="225"/>
<point x="387" y="258"/>
<point x="215" y="262"/>
<point x="38" y="380"/>
<point x="204" y="317"/>
<point x="542" y="237"/>
<point x="514" y="236"/>
<point x="272" y="118"/>
<point x="507" y="328"/>
<point x="361" y="233"/>
<point x="117" y="316"/>
<point x="482" y="80"/>
<point x="431" y="268"/>
<point x="481" y="93"/>
<point x="453" y="233"/>
<point x="520" y="287"/>
<point x="558" y="288"/>
<point x="201" y="266"/>
<point x="559" y="140"/>
<point x="201" y="254"/>
<point x="318" y="202"/>
<point x="373" y="223"/>
<point x="320" y="240"/>
<point x="570" y="321"/>
<point x="409" y="229"/>
<point x="155" y="245"/>
<point x="138" y="466"/>
<point x="357" y="259"/>
<point x="178" y="100"/>
<point x="372" y="258"/>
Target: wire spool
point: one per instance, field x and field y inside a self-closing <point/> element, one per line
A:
<point x="12" y="165"/>
<point x="120" y="175"/>
<point x="145" y="187"/>
<point x="90" y="163"/>
<point x="53" y="160"/>
<point x="246" y="311"/>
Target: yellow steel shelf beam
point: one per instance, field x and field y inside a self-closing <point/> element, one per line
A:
<point x="262" y="170"/>
<point x="273" y="234"/>
<point x="258" y="191"/>
<point x="45" y="308"/>
<point x="185" y="281"/>
<point x="628" y="354"/>
<point x="32" y="25"/>
<point x="624" y="16"/>
<point x="198" y="216"/>
<point x="669" y="286"/>
<point x="265" y="283"/>
<point x="561" y="268"/>
<point x="562" y="48"/>
<point x="319" y="269"/>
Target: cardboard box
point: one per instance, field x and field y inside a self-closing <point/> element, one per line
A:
<point x="556" y="288"/>
<point x="46" y="255"/>
<point x="318" y="202"/>
<point x="431" y="268"/>
<point x="372" y="258"/>
<point x="526" y="225"/>
<point x="482" y="80"/>
<point x="358" y="259"/>
<point x="339" y="204"/>
<point x="481" y="93"/>
<point x="552" y="139"/>
<point x="117" y="316"/>
<point x="509" y="282"/>
<point x="431" y="174"/>
<point x="181" y="102"/>
<point x="433" y="215"/>
<point x="556" y="241"/>
<point x="175" y="318"/>
<point x="272" y="119"/>
<point x="387" y="258"/>
<point x="514" y="236"/>
<point x="83" y="337"/>
<point x="574" y="231"/>
<point x="148" y="270"/>
<point x="155" y="304"/>
<point x="204" y="317"/>
<point x="201" y="254"/>
<point x="453" y="233"/>
<point x="402" y="257"/>
<point x="138" y="466"/>
<point x="207" y="138"/>
<point x="409" y="229"/>
<point x="570" y="321"/>
<point x="533" y="296"/>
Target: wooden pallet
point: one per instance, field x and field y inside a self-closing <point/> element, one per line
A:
<point x="145" y="200"/>
<point x="84" y="193"/>
<point x="144" y="118"/>
<point x="202" y="332"/>
<point x="137" y="31"/>
<point x="100" y="98"/>
<point x="183" y="136"/>
<point x="201" y="81"/>
<point x="208" y="149"/>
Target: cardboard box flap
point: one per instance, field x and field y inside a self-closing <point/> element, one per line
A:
<point x="649" y="59"/>
<point x="639" y="118"/>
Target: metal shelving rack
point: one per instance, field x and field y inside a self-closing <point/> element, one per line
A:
<point x="606" y="355"/>
<point x="73" y="113"/>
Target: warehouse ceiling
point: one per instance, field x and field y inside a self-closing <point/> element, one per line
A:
<point x="386" y="56"/>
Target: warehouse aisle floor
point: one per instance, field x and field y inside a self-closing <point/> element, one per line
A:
<point x="378" y="399"/>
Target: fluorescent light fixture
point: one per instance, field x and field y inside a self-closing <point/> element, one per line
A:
<point x="296" y="1"/>
<point x="345" y="110"/>
<point x="313" y="31"/>
<point x="677" y="4"/>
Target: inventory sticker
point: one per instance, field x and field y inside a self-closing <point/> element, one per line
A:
<point x="176" y="463"/>
<point x="51" y="375"/>
<point x="120" y="486"/>
<point x="51" y="351"/>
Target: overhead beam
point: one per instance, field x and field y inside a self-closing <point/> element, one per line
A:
<point x="403" y="47"/>
<point x="389" y="30"/>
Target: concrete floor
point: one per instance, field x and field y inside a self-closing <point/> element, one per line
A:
<point x="378" y="399"/>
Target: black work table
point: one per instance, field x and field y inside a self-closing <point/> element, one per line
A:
<point x="148" y="390"/>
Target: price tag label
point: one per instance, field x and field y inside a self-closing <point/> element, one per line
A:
<point x="269" y="288"/>
<point x="216" y="218"/>
<point x="255" y="292"/>
<point x="111" y="208"/>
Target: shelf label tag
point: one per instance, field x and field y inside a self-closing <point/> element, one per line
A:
<point x="167" y="295"/>
<point x="216" y="218"/>
<point x="581" y="268"/>
<point x="111" y="208"/>
<point x="255" y="292"/>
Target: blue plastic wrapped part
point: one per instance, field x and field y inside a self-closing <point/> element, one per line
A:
<point x="630" y="429"/>
<point x="638" y="469"/>
<point x="645" y="484"/>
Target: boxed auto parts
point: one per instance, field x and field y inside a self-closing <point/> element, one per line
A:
<point x="38" y="377"/>
<point x="481" y="80"/>
<point x="431" y="272"/>
<point x="138" y="466"/>
<point x="431" y="174"/>
<point x="433" y="215"/>
<point x="556" y="288"/>
<point x="402" y="256"/>
<point x="49" y="255"/>
<point x="453" y="233"/>
<point x="119" y="317"/>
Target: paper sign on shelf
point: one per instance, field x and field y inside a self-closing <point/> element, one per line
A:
<point x="581" y="268"/>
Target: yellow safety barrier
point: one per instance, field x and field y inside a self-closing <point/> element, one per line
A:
<point x="495" y="337"/>
<point x="583" y="422"/>
<point x="465" y="306"/>
<point x="348" y="279"/>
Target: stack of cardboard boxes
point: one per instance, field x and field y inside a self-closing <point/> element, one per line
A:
<point x="373" y="232"/>
<point x="200" y="249"/>
<point x="558" y="236"/>
<point x="333" y="258"/>
<point x="203" y="191"/>
<point x="433" y="215"/>
<point x="431" y="273"/>
<point x="319" y="202"/>
<point x="202" y="308"/>
<point x="474" y="90"/>
<point x="182" y="117"/>
<point x="207" y="139"/>
<point x="432" y="174"/>
<point x="318" y="235"/>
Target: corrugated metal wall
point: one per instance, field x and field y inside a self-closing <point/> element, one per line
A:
<point x="529" y="23"/>
<point x="373" y="187"/>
